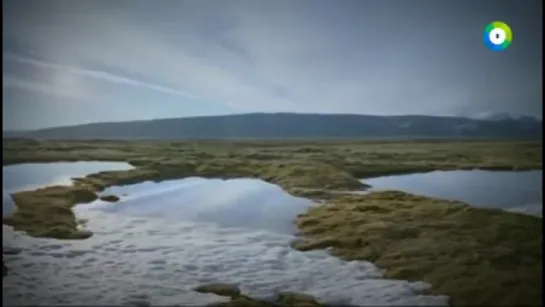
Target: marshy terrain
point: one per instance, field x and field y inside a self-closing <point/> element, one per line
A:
<point x="477" y="256"/>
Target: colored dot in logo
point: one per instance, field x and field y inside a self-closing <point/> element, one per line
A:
<point x="497" y="36"/>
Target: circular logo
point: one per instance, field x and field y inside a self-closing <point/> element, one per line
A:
<point x="497" y="36"/>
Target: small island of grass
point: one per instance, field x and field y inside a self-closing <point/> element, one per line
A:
<point x="109" y="198"/>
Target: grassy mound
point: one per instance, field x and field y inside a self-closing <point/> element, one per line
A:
<point x="47" y="212"/>
<point x="477" y="256"/>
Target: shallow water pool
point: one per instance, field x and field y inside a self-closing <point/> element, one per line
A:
<point x="509" y="190"/>
<point x="245" y="203"/>
<point x="163" y="239"/>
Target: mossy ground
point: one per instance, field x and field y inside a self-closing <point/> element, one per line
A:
<point x="477" y="256"/>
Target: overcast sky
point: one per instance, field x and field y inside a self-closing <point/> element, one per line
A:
<point x="71" y="62"/>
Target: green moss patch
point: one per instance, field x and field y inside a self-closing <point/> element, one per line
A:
<point x="476" y="256"/>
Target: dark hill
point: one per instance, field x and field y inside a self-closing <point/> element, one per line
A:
<point x="289" y="125"/>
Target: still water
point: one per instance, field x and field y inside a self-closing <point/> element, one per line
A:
<point x="163" y="239"/>
<point x="247" y="203"/>
<point x="30" y="176"/>
<point x="509" y="190"/>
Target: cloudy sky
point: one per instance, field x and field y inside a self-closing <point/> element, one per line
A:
<point x="71" y="62"/>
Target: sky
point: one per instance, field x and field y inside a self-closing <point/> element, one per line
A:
<point x="72" y="62"/>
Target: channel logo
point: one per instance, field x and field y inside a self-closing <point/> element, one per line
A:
<point x="497" y="36"/>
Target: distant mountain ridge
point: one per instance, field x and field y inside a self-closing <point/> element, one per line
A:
<point x="294" y="125"/>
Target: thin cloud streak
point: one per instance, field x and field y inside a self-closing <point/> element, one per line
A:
<point x="95" y="74"/>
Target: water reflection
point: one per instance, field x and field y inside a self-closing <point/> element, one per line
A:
<point x="30" y="176"/>
<point x="248" y="203"/>
<point x="514" y="191"/>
